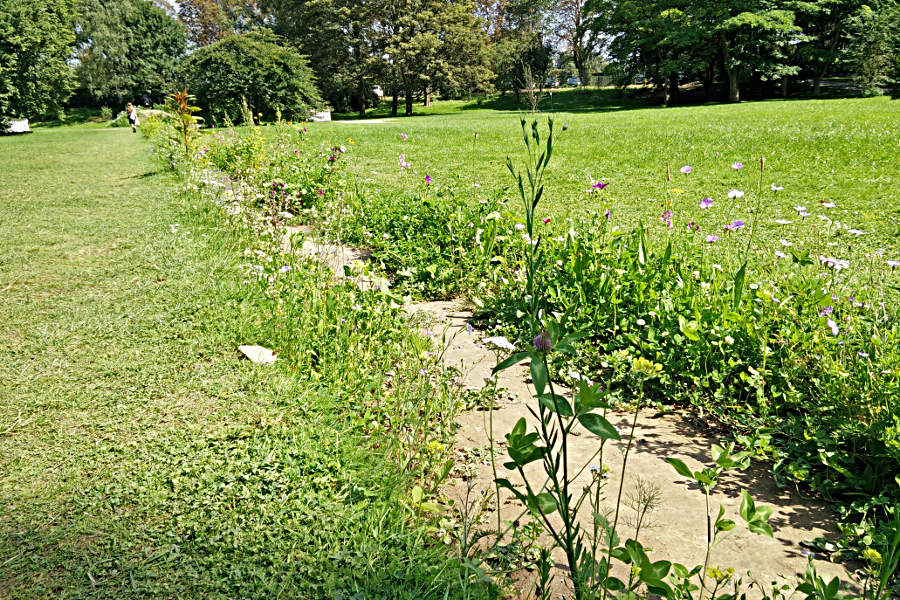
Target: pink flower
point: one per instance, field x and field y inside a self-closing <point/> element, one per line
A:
<point x="427" y="178"/>
<point x="403" y="163"/>
<point x="403" y="136"/>
<point x="686" y="169"/>
<point x="712" y="238"/>
<point x="737" y="166"/>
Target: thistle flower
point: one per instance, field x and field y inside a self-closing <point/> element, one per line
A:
<point x="542" y="342"/>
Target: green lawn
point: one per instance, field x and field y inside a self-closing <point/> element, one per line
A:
<point x="841" y="150"/>
<point x="138" y="456"/>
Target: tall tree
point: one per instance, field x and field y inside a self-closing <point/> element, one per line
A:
<point x="36" y="39"/>
<point x="575" y="20"/>
<point x="208" y="21"/>
<point x="127" y="48"/>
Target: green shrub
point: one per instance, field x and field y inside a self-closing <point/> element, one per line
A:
<point x="256" y="66"/>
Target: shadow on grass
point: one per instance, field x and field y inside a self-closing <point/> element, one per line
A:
<point x="73" y="116"/>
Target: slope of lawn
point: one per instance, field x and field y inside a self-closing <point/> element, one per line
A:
<point x="138" y="456"/>
<point x="840" y="150"/>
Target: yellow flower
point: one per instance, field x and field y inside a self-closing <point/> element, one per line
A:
<point x="350" y="141"/>
<point x="647" y="368"/>
<point x="872" y="555"/>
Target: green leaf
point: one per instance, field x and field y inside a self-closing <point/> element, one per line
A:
<point x="724" y="525"/>
<point x="539" y="374"/>
<point x="513" y="359"/>
<point x="544" y="503"/>
<point x="554" y="401"/>
<point x="680" y="468"/>
<point x="739" y="285"/>
<point x="599" y="426"/>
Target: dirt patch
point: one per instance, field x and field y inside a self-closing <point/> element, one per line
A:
<point x="676" y="529"/>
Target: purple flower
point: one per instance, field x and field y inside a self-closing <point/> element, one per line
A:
<point x="599" y="185"/>
<point x="320" y="192"/>
<point x="403" y="136"/>
<point x="423" y="372"/>
<point x="737" y="166"/>
<point x="542" y="342"/>
<point x="706" y="203"/>
<point x="469" y="327"/>
<point x="863" y="354"/>
<point x="607" y="214"/>
<point x="712" y="238"/>
<point x="693" y="226"/>
<point x="832" y="326"/>
<point x="735" y="194"/>
<point x="826" y="311"/>
<point x="666" y="218"/>
<point x="427" y="178"/>
<point x="893" y="264"/>
<point x="686" y="169"/>
<point x="734" y="225"/>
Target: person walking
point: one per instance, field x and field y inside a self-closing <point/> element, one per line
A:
<point x="132" y="117"/>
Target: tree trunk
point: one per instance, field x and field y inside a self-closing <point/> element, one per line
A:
<point x="734" y="90"/>
<point x="409" y="102"/>
<point x="817" y="83"/>
<point x="784" y="87"/>
<point x="361" y="98"/>
<point x="395" y="102"/>
<point x="708" y="78"/>
<point x="426" y="99"/>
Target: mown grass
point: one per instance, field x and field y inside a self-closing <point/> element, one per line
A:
<point x="841" y="150"/>
<point x="139" y="457"/>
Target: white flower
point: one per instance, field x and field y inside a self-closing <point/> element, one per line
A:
<point x="500" y="342"/>
<point x="735" y="194"/>
<point x="829" y="204"/>
<point x="776" y="188"/>
<point x="800" y="209"/>
<point x="729" y="340"/>
<point x="780" y="254"/>
<point x="520" y="226"/>
<point x="786" y="243"/>
<point x="856" y="232"/>
<point x="641" y="322"/>
<point x="783" y="221"/>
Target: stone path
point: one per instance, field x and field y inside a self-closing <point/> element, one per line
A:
<point x="676" y="529"/>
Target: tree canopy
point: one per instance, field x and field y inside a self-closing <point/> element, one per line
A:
<point x="255" y="68"/>
<point x="36" y="38"/>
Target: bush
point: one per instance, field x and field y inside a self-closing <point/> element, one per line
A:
<point x="254" y="66"/>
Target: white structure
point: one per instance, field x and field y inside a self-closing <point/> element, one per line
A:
<point x="18" y="126"/>
<point x="321" y="115"/>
